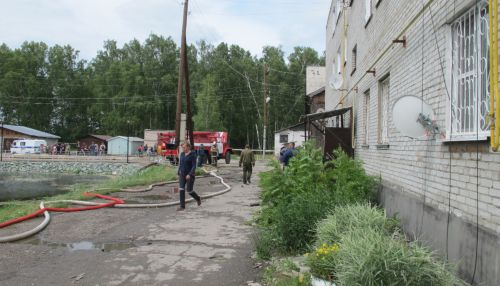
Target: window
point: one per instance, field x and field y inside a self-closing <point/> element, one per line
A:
<point x="383" y="111"/>
<point x="284" y="138"/>
<point x="354" y="57"/>
<point x="368" y="10"/>
<point x="366" y="117"/>
<point x="345" y="51"/>
<point x="469" y="101"/>
<point x="339" y="61"/>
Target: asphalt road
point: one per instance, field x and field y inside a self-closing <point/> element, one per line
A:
<point x="211" y="245"/>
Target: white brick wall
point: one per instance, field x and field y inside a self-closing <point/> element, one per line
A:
<point x="419" y="167"/>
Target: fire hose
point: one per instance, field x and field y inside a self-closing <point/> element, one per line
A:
<point x="114" y="202"/>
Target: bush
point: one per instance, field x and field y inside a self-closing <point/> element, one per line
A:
<point x="369" y="257"/>
<point x="265" y="244"/>
<point x="351" y="182"/>
<point x="294" y="221"/>
<point x="304" y="193"/>
<point x="371" y="251"/>
<point x="353" y="217"/>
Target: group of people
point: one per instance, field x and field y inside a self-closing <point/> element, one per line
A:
<point x="187" y="170"/>
<point x="202" y="157"/>
<point x="93" y="149"/>
<point x="58" y="149"/>
<point x="144" y="149"/>
<point x="189" y="160"/>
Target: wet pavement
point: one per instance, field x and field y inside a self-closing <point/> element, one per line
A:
<point x="209" y="245"/>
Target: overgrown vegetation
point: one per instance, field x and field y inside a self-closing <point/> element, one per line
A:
<point x="14" y="209"/>
<point x="327" y="210"/>
<point x="304" y="193"/>
<point x="371" y="250"/>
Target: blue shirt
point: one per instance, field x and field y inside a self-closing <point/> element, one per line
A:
<point x="288" y="155"/>
<point x="187" y="164"/>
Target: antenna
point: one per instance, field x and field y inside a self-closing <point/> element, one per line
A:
<point x="413" y="117"/>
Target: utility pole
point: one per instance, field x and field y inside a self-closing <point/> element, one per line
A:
<point x="266" y="101"/>
<point x="181" y="77"/>
<point x="189" y="115"/>
<point x="1" y="144"/>
<point x="128" y="138"/>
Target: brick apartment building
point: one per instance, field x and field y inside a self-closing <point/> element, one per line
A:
<point x="445" y="188"/>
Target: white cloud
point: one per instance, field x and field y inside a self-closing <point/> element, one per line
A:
<point x="86" y="24"/>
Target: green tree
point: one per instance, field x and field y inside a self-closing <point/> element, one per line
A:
<point x="208" y="117"/>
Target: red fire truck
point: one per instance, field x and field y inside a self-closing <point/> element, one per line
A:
<point x="166" y="141"/>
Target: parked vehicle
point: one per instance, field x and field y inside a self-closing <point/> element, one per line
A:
<point x="28" y="146"/>
<point x="166" y="141"/>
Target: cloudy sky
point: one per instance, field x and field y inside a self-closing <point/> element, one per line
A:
<point x="86" y="24"/>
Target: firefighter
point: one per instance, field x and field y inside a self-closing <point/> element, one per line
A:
<point x="248" y="160"/>
<point x="214" y="153"/>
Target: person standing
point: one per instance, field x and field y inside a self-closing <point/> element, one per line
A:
<point x="186" y="173"/>
<point x="247" y="159"/>
<point x="214" y="154"/>
<point x="289" y="153"/>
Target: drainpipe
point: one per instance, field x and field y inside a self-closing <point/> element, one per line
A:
<point x="494" y="97"/>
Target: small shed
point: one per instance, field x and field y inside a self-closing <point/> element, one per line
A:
<point x="9" y="133"/>
<point x="118" y="145"/>
<point x="93" y="138"/>
<point x="294" y="133"/>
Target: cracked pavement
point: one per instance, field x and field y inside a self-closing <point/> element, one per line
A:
<point x="210" y="245"/>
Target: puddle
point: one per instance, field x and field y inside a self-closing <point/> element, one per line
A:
<point x="82" y="245"/>
<point x="15" y="186"/>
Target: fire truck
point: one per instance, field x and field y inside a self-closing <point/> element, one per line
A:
<point x="166" y="142"/>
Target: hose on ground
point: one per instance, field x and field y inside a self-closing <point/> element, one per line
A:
<point x="94" y="205"/>
<point x="31" y="232"/>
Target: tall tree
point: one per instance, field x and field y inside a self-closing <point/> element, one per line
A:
<point x="208" y="116"/>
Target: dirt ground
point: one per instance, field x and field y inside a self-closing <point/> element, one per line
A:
<point x="210" y="245"/>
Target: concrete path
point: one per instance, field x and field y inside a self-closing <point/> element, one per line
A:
<point x="211" y="245"/>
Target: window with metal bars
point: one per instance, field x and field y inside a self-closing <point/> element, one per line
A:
<point x="469" y="102"/>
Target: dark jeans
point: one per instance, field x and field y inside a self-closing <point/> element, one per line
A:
<point x="247" y="172"/>
<point x="186" y="185"/>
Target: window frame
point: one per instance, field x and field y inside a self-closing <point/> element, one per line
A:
<point x="383" y="95"/>
<point x="368" y="8"/>
<point x="366" y="117"/>
<point x="478" y="88"/>
<point x="354" y="59"/>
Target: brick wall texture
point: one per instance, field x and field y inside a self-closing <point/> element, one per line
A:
<point x="432" y="170"/>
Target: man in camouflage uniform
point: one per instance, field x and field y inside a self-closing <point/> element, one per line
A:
<point x="247" y="159"/>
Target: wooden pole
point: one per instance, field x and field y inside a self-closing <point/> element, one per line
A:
<point x="181" y="77"/>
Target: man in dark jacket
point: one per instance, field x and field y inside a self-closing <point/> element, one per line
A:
<point x="248" y="160"/>
<point x="186" y="173"/>
<point x="290" y="152"/>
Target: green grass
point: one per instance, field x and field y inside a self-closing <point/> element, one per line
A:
<point x="14" y="209"/>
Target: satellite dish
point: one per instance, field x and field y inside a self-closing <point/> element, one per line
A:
<point x="407" y="113"/>
<point x="335" y="80"/>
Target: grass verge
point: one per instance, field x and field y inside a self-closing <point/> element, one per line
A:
<point x="14" y="209"/>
